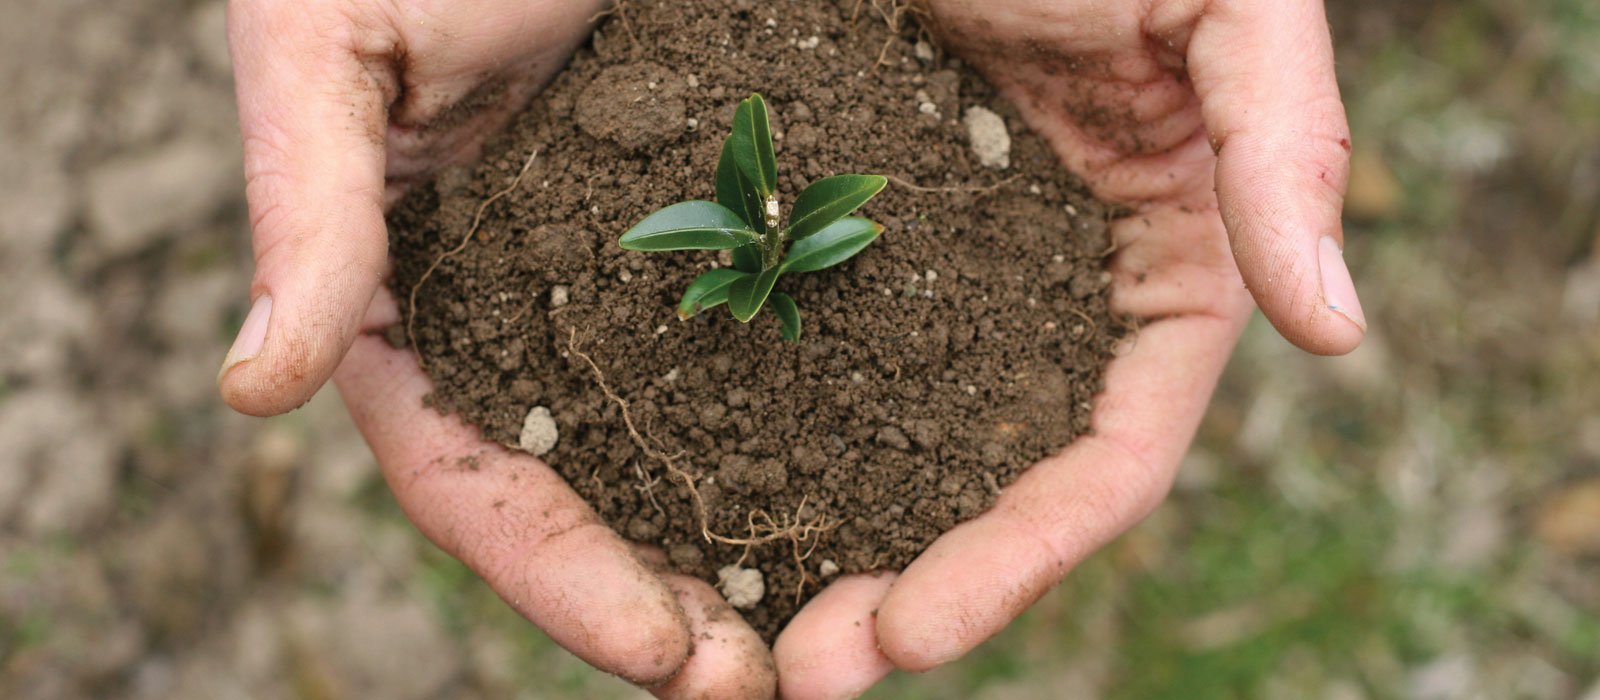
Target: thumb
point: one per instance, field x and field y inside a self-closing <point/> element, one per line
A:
<point x="1264" y="73"/>
<point x="312" y="87"/>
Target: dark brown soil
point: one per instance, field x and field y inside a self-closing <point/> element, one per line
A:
<point x="960" y="348"/>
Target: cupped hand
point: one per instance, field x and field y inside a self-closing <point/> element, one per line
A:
<point x="342" y="103"/>
<point x="1219" y="123"/>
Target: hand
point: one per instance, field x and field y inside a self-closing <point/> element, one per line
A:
<point x="342" y="103"/>
<point x="1220" y="122"/>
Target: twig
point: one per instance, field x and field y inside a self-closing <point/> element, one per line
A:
<point x="477" y="220"/>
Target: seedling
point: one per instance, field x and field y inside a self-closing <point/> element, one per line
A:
<point x="745" y="219"/>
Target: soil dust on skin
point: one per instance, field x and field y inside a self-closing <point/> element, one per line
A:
<point x="963" y="346"/>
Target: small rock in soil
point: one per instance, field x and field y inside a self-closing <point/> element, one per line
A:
<point x="742" y="587"/>
<point x="539" y="432"/>
<point x="634" y="106"/>
<point x="986" y="131"/>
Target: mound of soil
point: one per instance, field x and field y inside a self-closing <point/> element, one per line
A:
<point x="960" y="348"/>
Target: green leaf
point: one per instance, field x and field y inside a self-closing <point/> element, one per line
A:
<point x="735" y="192"/>
<point x="827" y="200"/>
<point x="749" y="293"/>
<point x="747" y="258"/>
<point x="788" y="314"/>
<point x="707" y="291"/>
<point x="688" y="226"/>
<point x="839" y="242"/>
<point x="752" y="146"/>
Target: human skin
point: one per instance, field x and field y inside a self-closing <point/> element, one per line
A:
<point x="1218" y="122"/>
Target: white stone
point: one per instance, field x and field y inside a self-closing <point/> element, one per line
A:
<point x="986" y="133"/>
<point x="923" y="51"/>
<point x="559" y="296"/>
<point x="742" y="587"/>
<point x="827" y="568"/>
<point x="539" y="433"/>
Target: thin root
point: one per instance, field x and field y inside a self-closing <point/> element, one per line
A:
<point x="986" y="188"/>
<point x="618" y="10"/>
<point x="1094" y="328"/>
<point x="477" y="220"/>
<point x="762" y="526"/>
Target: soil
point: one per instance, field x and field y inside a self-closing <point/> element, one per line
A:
<point x="963" y="346"/>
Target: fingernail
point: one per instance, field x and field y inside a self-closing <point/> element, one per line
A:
<point x="251" y="335"/>
<point x="1338" y="290"/>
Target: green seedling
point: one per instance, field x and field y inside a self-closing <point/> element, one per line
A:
<point x="745" y="219"/>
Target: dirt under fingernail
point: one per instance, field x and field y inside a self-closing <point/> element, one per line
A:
<point x="964" y="345"/>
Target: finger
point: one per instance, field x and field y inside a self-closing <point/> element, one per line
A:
<point x="1264" y="73"/>
<point x="515" y="522"/>
<point x="977" y="577"/>
<point x="467" y="76"/>
<point x="729" y="659"/>
<point x="312" y="88"/>
<point x="830" y="649"/>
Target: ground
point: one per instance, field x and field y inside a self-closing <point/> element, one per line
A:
<point x="1417" y="520"/>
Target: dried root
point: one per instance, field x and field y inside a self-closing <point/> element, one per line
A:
<point x="477" y="220"/>
<point x="803" y="535"/>
<point x="935" y="190"/>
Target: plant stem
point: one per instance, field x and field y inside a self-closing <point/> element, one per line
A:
<point x="772" y="242"/>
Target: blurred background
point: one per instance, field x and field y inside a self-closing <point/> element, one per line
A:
<point x="1418" y="520"/>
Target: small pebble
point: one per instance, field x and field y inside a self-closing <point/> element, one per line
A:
<point x="694" y="81"/>
<point x="827" y="568"/>
<point x="539" y="433"/>
<point x="661" y="330"/>
<point x="742" y="587"/>
<point x="987" y="135"/>
<point x="625" y="276"/>
<point x="559" y="296"/>
<point x="923" y="51"/>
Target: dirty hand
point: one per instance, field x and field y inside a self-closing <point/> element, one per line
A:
<point x="1219" y="122"/>
<point x="343" y="102"/>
